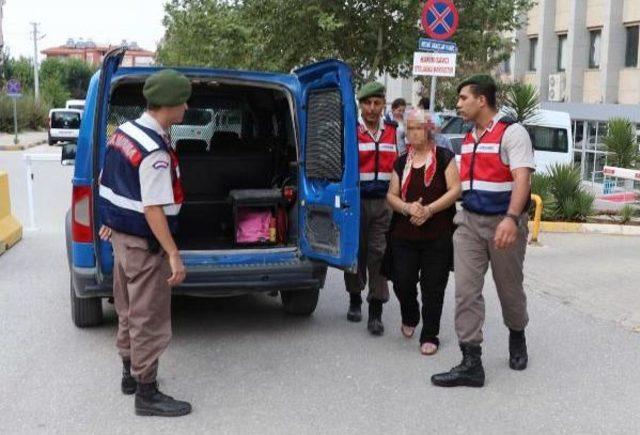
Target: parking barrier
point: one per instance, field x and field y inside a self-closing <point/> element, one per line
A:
<point x="10" y="228"/>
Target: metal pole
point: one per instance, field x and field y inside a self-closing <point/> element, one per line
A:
<point x="15" y="121"/>
<point x="36" y="78"/>
<point x="432" y="97"/>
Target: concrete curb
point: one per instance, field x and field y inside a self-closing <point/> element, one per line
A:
<point x="21" y="147"/>
<point x="583" y="228"/>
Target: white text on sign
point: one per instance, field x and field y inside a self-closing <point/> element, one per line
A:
<point x="434" y="64"/>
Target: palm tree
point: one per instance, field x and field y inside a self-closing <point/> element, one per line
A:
<point x="621" y="143"/>
<point x="521" y="102"/>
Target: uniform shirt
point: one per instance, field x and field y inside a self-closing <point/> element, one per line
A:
<point x="156" y="185"/>
<point x="516" y="150"/>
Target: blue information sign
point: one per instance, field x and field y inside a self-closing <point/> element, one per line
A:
<point x="426" y="44"/>
<point x="13" y="87"/>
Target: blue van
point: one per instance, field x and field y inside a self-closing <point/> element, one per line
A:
<point x="288" y="137"/>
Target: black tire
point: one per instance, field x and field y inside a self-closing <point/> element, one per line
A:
<point x="85" y="311"/>
<point x="300" y="302"/>
<point x="50" y="141"/>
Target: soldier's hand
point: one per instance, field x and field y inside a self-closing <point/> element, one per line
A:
<point x="178" y="272"/>
<point x="506" y="234"/>
<point x="105" y="233"/>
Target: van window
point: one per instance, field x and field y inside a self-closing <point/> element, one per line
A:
<point x="70" y="120"/>
<point x="76" y="106"/>
<point x="548" y="139"/>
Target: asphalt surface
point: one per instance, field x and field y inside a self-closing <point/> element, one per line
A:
<point x="249" y="368"/>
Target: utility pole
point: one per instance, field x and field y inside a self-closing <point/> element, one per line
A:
<point x="36" y="37"/>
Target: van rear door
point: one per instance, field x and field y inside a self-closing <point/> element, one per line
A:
<point x="110" y="64"/>
<point x="329" y="194"/>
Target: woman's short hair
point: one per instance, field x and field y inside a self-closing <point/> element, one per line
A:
<point x="398" y="102"/>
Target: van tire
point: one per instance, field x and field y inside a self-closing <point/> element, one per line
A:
<point x="51" y="141"/>
<point x="85" y="311"/>
<point x="300" y="302"/>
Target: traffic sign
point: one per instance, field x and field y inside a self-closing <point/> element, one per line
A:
<point x="14" y="88"/>
<point x="434" y="64"/>
<point x="426" y="44"/>
<point x="440" y="19"/>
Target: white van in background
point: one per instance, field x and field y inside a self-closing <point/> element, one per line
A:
<point x="64" y="125"/>
<point x="550" y="133"/>
<point x="75" y="104"/>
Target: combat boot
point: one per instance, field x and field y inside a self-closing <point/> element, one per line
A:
<point x="150" y="401"/>
<point x="469" y="373"/>
<point x="518" y="356"/>
<point x="128" y="384"/>
<point x="374" y="324"/>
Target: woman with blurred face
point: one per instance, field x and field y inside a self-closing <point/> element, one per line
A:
<point x="423" y="190"/>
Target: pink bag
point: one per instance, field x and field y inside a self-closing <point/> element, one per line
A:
<point x="252" y="225"/>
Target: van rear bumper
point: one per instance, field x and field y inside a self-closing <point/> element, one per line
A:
<point x="222" y="281"/>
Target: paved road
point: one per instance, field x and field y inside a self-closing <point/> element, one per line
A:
<point x="248" y="368"/>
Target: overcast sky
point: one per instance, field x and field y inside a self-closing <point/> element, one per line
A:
<point x="103" y="21"/>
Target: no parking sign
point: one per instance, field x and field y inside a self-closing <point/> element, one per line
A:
<point x="440" y="19"/>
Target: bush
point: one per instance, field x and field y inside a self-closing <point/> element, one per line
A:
<point x="562" y="194"/>
<point x="626" y="213"/>
<point x="31" y="116"/>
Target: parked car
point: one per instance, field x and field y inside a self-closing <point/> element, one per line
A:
<point x="550" y="133"/>
<point x="288" y="145"/>
<point x="64" y="125"/>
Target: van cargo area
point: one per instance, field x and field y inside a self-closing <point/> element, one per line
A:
<point x="237" y="152"/>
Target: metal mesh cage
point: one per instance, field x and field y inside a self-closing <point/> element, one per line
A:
<point x="323" y="155"/>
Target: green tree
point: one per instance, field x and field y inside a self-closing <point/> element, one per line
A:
<point x="375" y="36"/>
<point x="20" y="69"/>
<point x="621" y="143"/>
<point x="521" y="102"/>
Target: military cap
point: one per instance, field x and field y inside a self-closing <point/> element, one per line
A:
<point x="167" y="87"/>
<point x="484" y="80"/>
<point x="371" y="89"/>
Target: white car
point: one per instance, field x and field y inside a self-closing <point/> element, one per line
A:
<point x="75" y="104"/>
<point x="64" y="125"/>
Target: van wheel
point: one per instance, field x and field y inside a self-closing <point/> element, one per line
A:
<point x="300" y="302"/>
<point x="85" y="311"/>
<point x="51" y="141"/>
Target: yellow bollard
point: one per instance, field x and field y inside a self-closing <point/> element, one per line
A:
<point x="537" y="217"/>
<point x="10" y="228"/>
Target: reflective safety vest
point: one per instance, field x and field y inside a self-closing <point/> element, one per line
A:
<point x="120" y="200"/>
<point x="486" y="181"/>
<point x="376" y="160"/>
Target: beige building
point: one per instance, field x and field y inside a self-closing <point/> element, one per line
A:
<point x="581" y="51"/>
<point x="582" y="56"/>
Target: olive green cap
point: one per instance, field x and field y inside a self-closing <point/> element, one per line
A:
<point x="371" y="89"/>
<point x="167" y="87"/>
<point x="478" y="79"/>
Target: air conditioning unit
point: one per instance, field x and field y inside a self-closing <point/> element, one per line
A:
<point x="557" y="84"/>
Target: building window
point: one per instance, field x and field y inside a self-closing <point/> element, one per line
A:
<point x="594" y="48"/>
<point x="533" y="48"/>
<point x="631" y="52"/>
<point x="562" y="52"/>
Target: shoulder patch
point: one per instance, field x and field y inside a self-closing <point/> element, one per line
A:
<point x="160" y="164"/>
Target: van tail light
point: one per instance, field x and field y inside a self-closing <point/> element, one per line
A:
<point x="81" y="230"/>
<point x="289" y="194"/>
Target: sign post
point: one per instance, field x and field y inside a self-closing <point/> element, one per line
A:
<point x="13" y="91"/>
<point x="439" y="21"/>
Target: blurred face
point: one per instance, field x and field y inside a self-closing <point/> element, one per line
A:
<point x="398" y="112"/>
<point x="371" y="109"/>
<point x="469" y="106"/>
<point x="419" y="128"/>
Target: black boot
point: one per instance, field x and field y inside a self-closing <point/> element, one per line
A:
<point x="518" y="357"/>
<point x="128" y="384"/>
<point x="150" y="401"/>
<point x="375" y="325"/>
<point x="469" y="373"/>
<point x="355" y="311"/>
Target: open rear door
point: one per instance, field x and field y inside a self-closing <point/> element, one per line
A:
<point x="110" y="64"/>
<point x="329" y="195"/>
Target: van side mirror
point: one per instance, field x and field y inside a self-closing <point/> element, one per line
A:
<point x="68" y="157"/>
